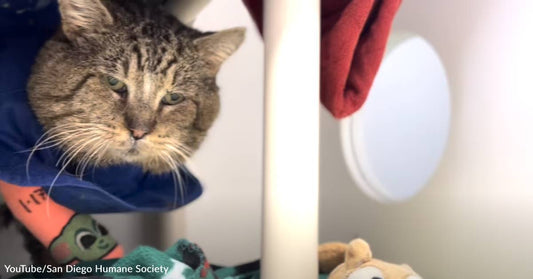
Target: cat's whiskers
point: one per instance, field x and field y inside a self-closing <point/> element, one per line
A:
<point x="88" y="156"/>
<point x="84" y="161"/>
<point x="177" y="148"/>
<point x="73" y="139"/>
<point x="57" y="137"/>
<point x="71" y="157"/>
<point x="90" y="131"/>
<point x="73" y="152"/>
<point x="177" y="151"/>
<point x="161" y="156"/>
<point x="182" y="155"/>
<point x="52" y="138"/>
<point x="175" y="176"/>
<point x="67" y="129"/>
<point x="98" y="154"/>
<point x="45" y="134"/>
<point x="187" y="151"/>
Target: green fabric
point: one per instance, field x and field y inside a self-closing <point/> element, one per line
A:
<point x="184" y="260"/>
<point x="233" y="273"/>
<point x="142" y="257"/>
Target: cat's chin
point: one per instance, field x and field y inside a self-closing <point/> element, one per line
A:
<point x="150" y="158"/>
<point x="158" y="169"/>
<point x="148" y="162"/>
<point x="154" y="167"/>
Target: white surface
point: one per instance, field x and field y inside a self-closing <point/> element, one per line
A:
<point x="290" y="204"/>
<point x="394" y="144"/>
<point x="474" y="218"/>
<point x="226" y="220"/>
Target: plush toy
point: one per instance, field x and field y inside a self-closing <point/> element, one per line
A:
<point x="354" y="261"/>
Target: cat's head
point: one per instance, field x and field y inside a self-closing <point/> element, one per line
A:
<point x="124" y="82"/>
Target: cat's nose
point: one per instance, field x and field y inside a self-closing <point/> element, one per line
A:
<point x="138" y="134"/>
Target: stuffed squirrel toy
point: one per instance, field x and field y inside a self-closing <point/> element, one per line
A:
<point x="354" y="261"/>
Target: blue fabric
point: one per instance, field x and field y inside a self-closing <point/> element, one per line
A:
<point x="24" y="26"/>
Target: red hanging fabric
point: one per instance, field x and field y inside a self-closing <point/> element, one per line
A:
<point x="354" y="37"/>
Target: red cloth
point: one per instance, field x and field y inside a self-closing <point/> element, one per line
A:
<point x="354" y="37"/>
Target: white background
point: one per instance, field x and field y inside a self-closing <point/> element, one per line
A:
<point x="475" y="218"/>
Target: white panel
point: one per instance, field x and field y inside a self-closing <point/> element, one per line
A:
<point x="473" y="220"/>
<point x="395" y="143"/>
<point x="290" y="210"/>
<point x="226" y="220"/>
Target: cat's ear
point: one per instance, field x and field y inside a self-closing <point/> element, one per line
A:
<point x="83" y="16"/>
<point x="217" y="47"/>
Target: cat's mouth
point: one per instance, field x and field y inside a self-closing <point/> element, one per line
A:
<point x="134" y="148"/>
<point x="133" y="151"/>
<point x="153" y="155"/>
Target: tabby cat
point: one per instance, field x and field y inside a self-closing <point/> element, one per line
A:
<point x="124" y="82"/>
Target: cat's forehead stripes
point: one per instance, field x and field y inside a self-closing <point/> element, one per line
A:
<point x="153" y="54"/>
<point x="150" y="58"/>
<point x="165" y="66"/>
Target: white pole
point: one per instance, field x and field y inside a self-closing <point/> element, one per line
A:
<point x="290" y="206"/>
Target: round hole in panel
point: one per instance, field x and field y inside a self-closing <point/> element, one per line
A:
<point x="394" y="144"/>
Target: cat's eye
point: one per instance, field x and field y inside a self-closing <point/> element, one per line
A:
<point x="116" y="85"/>
<point x="173" y="98"/>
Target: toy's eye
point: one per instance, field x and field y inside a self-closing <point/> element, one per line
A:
<point x="116" y="85"/>
<point x="366" y="273"/>
<point x="102" y="230"/>
<point x="173" y="99"/>
<point x="85" y="240"/>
